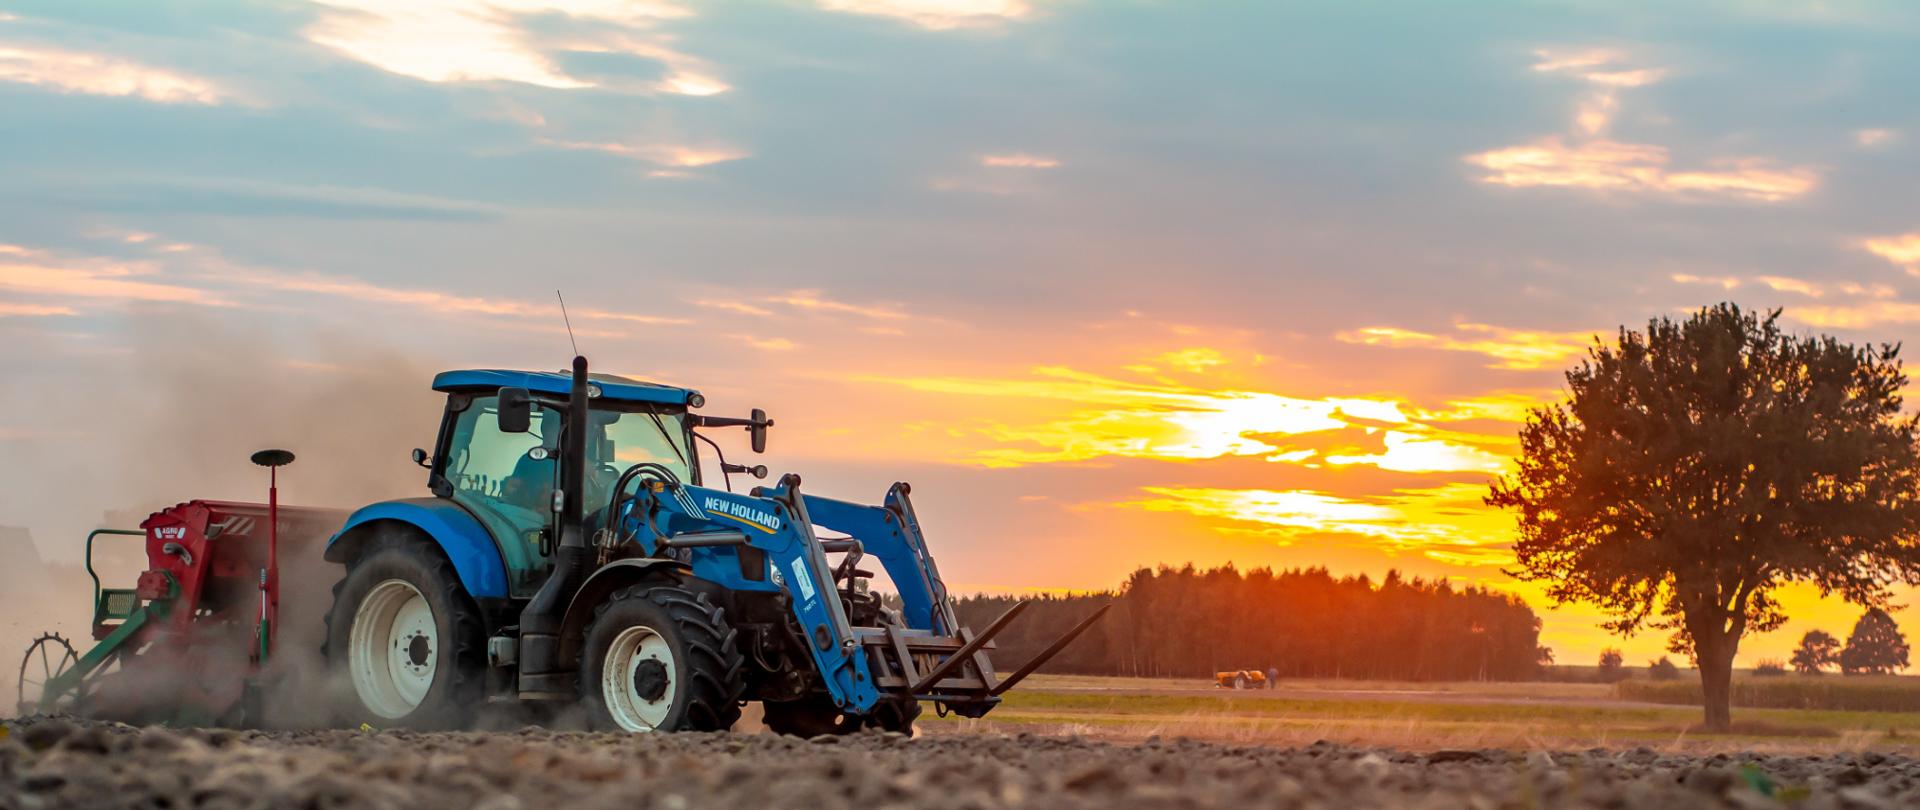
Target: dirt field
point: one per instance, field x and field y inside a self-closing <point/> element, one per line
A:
<point x="58" y="764"/>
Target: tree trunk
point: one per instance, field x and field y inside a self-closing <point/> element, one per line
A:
<point x="1716" y="680"/>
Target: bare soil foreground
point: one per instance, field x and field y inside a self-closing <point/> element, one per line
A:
<point x="56" y="763"/>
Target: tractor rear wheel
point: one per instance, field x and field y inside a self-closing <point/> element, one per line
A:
<point x="407" y="638"/>
<point x="661" y="658"/>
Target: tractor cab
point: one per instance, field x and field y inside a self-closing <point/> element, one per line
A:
<point x="499" y="454"/>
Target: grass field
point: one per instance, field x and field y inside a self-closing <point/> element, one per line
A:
<point x="1559" y="716"/>
<point x="1884" y="693"/>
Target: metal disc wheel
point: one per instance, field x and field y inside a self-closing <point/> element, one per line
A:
<point x="49" y="657"/>
<point x="637" y="680"/>
<point x="393" y="649"/>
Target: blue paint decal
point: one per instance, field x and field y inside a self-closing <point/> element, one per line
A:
<point x="467" y="544"/>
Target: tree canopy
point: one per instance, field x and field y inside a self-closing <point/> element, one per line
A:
<point x="1876" y="646"/>
<point x="1818" y="650"/>
<point x="1696" y="467"/>
<point x="1306" y="623"/>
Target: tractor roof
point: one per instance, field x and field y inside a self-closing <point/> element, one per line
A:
<point x="613" y="389"/>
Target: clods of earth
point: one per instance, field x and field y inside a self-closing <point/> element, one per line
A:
<point x="48" y="763"/>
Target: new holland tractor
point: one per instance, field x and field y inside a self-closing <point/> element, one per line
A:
<point x="572" y="553"/>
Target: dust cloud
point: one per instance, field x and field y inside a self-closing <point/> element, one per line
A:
<point x="176" y="419"/>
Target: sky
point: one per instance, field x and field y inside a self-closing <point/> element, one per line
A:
<point x="1110" y="283"/>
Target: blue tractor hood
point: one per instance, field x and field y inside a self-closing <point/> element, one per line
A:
<point x="612" y="389"/>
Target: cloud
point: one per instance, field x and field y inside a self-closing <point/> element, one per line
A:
<point x="738" y="307"/>
<point x="183" y="273"/>
<point x="676" y="155"/>
<point x="13" y="309"/>
<point x="490" y="40"/>
<point x="1870" y="138"/>
<point x="800" y="302"/>
<point x="812" y="300"/>
<point x="778" y="344"/>
<point x="1604" y="165"/>
<point x="1061" y="415"/>
<point x="1446" y="523"/>
<point x="100" y="75"/>
<point x="1594" y="162"/>
<point x="1903" y="249"/>
<point x="1596" y="111"/>
<point x="1018" y="160"/>
<point x="25" y="271"/>
<point x="1859" y="315"/>
<point x="938" y="15"/>
<point x="1515" y="349"/>
<point x="1723" y="282"/>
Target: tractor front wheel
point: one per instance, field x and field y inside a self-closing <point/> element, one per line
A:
<point x="661" y="658"/>
<point x="408" y="638"/>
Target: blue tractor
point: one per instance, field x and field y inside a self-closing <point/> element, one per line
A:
<point x="571" y="554"/>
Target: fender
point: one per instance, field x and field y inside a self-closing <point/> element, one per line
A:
<point x="601" y="584"/>
<point x="466" y="543"/>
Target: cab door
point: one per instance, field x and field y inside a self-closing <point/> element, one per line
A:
<point x="506" y="480"/>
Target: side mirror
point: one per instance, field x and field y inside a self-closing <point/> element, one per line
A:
<point x="758" y="430"/>
<point x="419" y="456"/>
<point x="516" y="410"/>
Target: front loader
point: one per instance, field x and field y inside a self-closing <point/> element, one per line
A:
<point x="571" y="553"/>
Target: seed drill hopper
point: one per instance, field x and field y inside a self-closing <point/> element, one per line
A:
<point x="194" y="640"/>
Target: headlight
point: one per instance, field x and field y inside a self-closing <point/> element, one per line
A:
<point x="694" y="400"/>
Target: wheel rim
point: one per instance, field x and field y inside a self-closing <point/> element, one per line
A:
<point x="49" y="657"/>
<point x="638" y="680"/>
<point x="395" y="648"/>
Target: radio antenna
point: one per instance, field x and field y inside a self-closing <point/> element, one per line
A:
<point x="568" y="321"/>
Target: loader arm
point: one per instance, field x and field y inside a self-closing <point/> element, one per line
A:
<point x="891" y="534"/>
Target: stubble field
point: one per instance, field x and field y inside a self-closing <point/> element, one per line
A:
<point x="1065" y="742"/>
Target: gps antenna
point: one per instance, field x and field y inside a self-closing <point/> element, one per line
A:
<point x="568" y="321"/>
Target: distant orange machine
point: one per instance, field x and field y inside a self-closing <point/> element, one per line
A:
<point x="1240" y="679"/>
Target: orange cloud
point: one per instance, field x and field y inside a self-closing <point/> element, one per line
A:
<point x="1018" y="160"/>
<point x="1903" y="250"/>
<point x="1597" y="163"/>
<point x="778" y="344"/>
<point x="1516" y="349"/>
<point x="938" y="15"/>
<point x="9" y="309"/>
<point x="39" y="273"/>
<point x="1448" y="523"/>
<point x="676" y="155"/>
<point x="1873" y="137"/>
<point x="1060" y="415"/>
<point x="95" y="74"/>
<point x="1605" y="165"/>
<point x="813" y="300"/>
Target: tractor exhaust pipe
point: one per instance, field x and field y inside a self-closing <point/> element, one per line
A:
<point x="542" y="673"/>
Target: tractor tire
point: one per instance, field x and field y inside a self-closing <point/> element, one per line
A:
<point x="1240" y="681"/>
<point x="809" y="717"/>
<point x="661" y="658"/>
<point x="896" y="716"/>
<point x="404" y="639"/>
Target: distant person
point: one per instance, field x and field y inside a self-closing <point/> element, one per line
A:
<point x="1273" y="678"/>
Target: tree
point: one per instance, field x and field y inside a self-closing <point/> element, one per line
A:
<point x="1818" y="650"/>
<point x="1611" y="668"/>
<point x="1663" y="670"/>
<point x="1876" y="646"/>
<point x="1698" y="466"/>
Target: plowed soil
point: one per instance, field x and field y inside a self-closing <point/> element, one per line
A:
<point x="56" y="763"/>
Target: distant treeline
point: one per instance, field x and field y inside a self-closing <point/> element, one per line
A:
<point x="1305" y="623"/>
